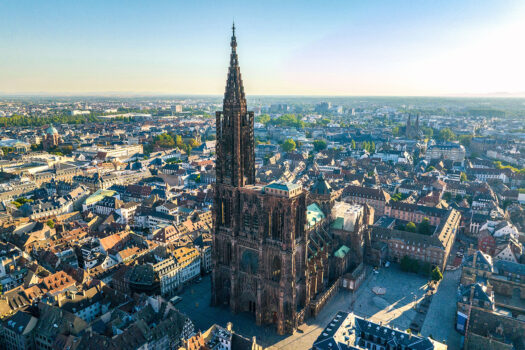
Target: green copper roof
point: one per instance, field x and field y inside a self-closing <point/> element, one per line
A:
<point x="283" y="186"/>
<point x="51" y="130"/>
<point x="314" y="214"/>
<point x="338" y="223"/>
<point x="98" y="196"/>
<point x="341" y="252"/>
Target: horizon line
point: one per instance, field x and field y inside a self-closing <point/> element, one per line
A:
<point x="152" y="94"/>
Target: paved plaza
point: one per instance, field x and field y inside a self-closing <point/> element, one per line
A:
<point x="441" y="316"/>
<point x="396" y="307"/>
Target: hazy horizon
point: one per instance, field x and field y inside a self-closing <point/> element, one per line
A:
<point x="296" y="48"/>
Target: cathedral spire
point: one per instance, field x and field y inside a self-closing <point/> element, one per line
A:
<point x="234" y="96"/>
<point x="235" y="150"/>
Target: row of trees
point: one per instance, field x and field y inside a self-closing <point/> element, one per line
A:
<point x="289" y="145"/>
<point x="170" y="141"/>
<point x="499" y="165"/>
<point x="22" y="120"/>
<point x="285" y="120"/>
<point x="423" y="227"/>
<point x="423" y="268"/>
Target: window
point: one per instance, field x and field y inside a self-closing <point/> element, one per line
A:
<point x="276" y="269"/>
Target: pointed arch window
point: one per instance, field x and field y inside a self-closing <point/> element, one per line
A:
<point x="276" y="269"/>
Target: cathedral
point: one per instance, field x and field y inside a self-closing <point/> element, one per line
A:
<point x="413" y="131"/>
<point x="51" y="138"/>
<point x="274" y="253"/>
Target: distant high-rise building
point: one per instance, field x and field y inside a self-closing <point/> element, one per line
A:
<point x="323" y="107"/>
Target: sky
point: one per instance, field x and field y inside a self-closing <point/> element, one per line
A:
<point x="286" y="47"/>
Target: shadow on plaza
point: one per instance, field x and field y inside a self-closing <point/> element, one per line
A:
<point x="401" y="289"/>
<point x="196" y="304"/>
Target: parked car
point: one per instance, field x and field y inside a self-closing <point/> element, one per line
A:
<point x="176" y="299"/>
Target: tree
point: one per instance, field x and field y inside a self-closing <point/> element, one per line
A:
<point x="424" y="227"/>
<point x="319" y="145"/>
<point x="288" y="120"/>
<point x="425" y="269"/>
<point x="465" y="140"/>
<point x="50" y="223"/>
<point x="447" y="196"/>
<point x="353" y="144"/>
<point x="436" y="274"/>
<point x="263" y="119"/>
<point x="179" y="142"/>
<point x="193" y="143"/>
<point x="410" y="227"/>
<point x="395" y="131"/>
<point x="446" y="135"/>
<point x="463" y="177"/>
<point x="288" y="145"/>
<point x="372" y="147"/>
<point x="408" y="264"/>
<point x="428" y="132"/>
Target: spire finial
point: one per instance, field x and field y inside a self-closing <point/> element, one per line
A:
<point x="234" y="40"/>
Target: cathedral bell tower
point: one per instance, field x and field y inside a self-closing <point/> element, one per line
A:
<point x="235" y="142"/>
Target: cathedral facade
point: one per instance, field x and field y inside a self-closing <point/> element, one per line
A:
<point x="412" y="130"/>
<point x="271" y="244"/>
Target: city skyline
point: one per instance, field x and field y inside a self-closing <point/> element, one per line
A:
<point x="346" y="49"/>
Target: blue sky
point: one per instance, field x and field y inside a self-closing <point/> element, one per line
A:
<point x="285" y="47"/>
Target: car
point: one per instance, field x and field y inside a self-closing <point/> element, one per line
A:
<point x="176" y="299"/>
<point x="387" y="264"/>
<point x="376" y="271"/>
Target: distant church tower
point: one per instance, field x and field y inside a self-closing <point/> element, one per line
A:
<point x="413" y="131"/>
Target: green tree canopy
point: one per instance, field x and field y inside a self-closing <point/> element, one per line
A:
<point x="446" y="134"/>
<point x="319" y="145"/>
<point x="193" y="143"/>
<point x="395" y="131"/>
<point x="436" y="274"/>
<point x="288" y="120"/>
<point x="410" y="227"/>
<point x="424" y="227"/>
<point x="288" y="145"/>
<point x="408" y="264"/>
<point x="263" y="119"/>
<point x="50" y="223"/>
<point x="465" y="140"/>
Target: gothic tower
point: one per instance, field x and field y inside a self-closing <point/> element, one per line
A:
<point x="235" y="142"/>
<point x="259" y="251"/>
